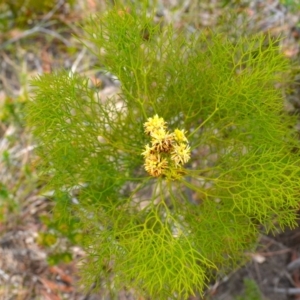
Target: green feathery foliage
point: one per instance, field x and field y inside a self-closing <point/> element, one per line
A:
<point x="251" y="292"/>
<point x="162" y="236"/>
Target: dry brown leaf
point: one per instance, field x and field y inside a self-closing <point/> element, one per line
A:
<point x="63" y="276"/>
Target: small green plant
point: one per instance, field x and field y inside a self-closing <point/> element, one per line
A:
<point x="252" y="291"/>
<point x="167" y="226"/>
<point x="292" y="5"/>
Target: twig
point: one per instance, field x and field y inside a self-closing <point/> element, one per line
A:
<point x="78" y="60"/>
<point x="293" y="265"/>
<point x="39" y="28"/>
<point x="25" y="150"/>
<point x="287" y="291"/>
<point x="52" y="11"/>
<point x="35" y="30"/>
<point x="56" y="35"/>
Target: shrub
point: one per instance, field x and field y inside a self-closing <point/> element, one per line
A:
<point x="167" y="233"/>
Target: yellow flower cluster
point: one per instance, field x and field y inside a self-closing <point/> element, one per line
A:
<point x="167" y="152"/>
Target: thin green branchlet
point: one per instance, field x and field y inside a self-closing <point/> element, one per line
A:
<point x="176" y="175"/>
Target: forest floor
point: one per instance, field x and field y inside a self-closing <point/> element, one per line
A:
<point x="39" y="258"/>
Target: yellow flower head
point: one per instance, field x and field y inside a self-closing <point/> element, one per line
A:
<point x="168" y="151"/>
<point x="148" y="151"/>
<point x="155" y="165"/>
<point x="179" y="136"/>
<point x="154" y="124"/>
<point x="181" y="154"/>
<point x="162" y="141"/>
